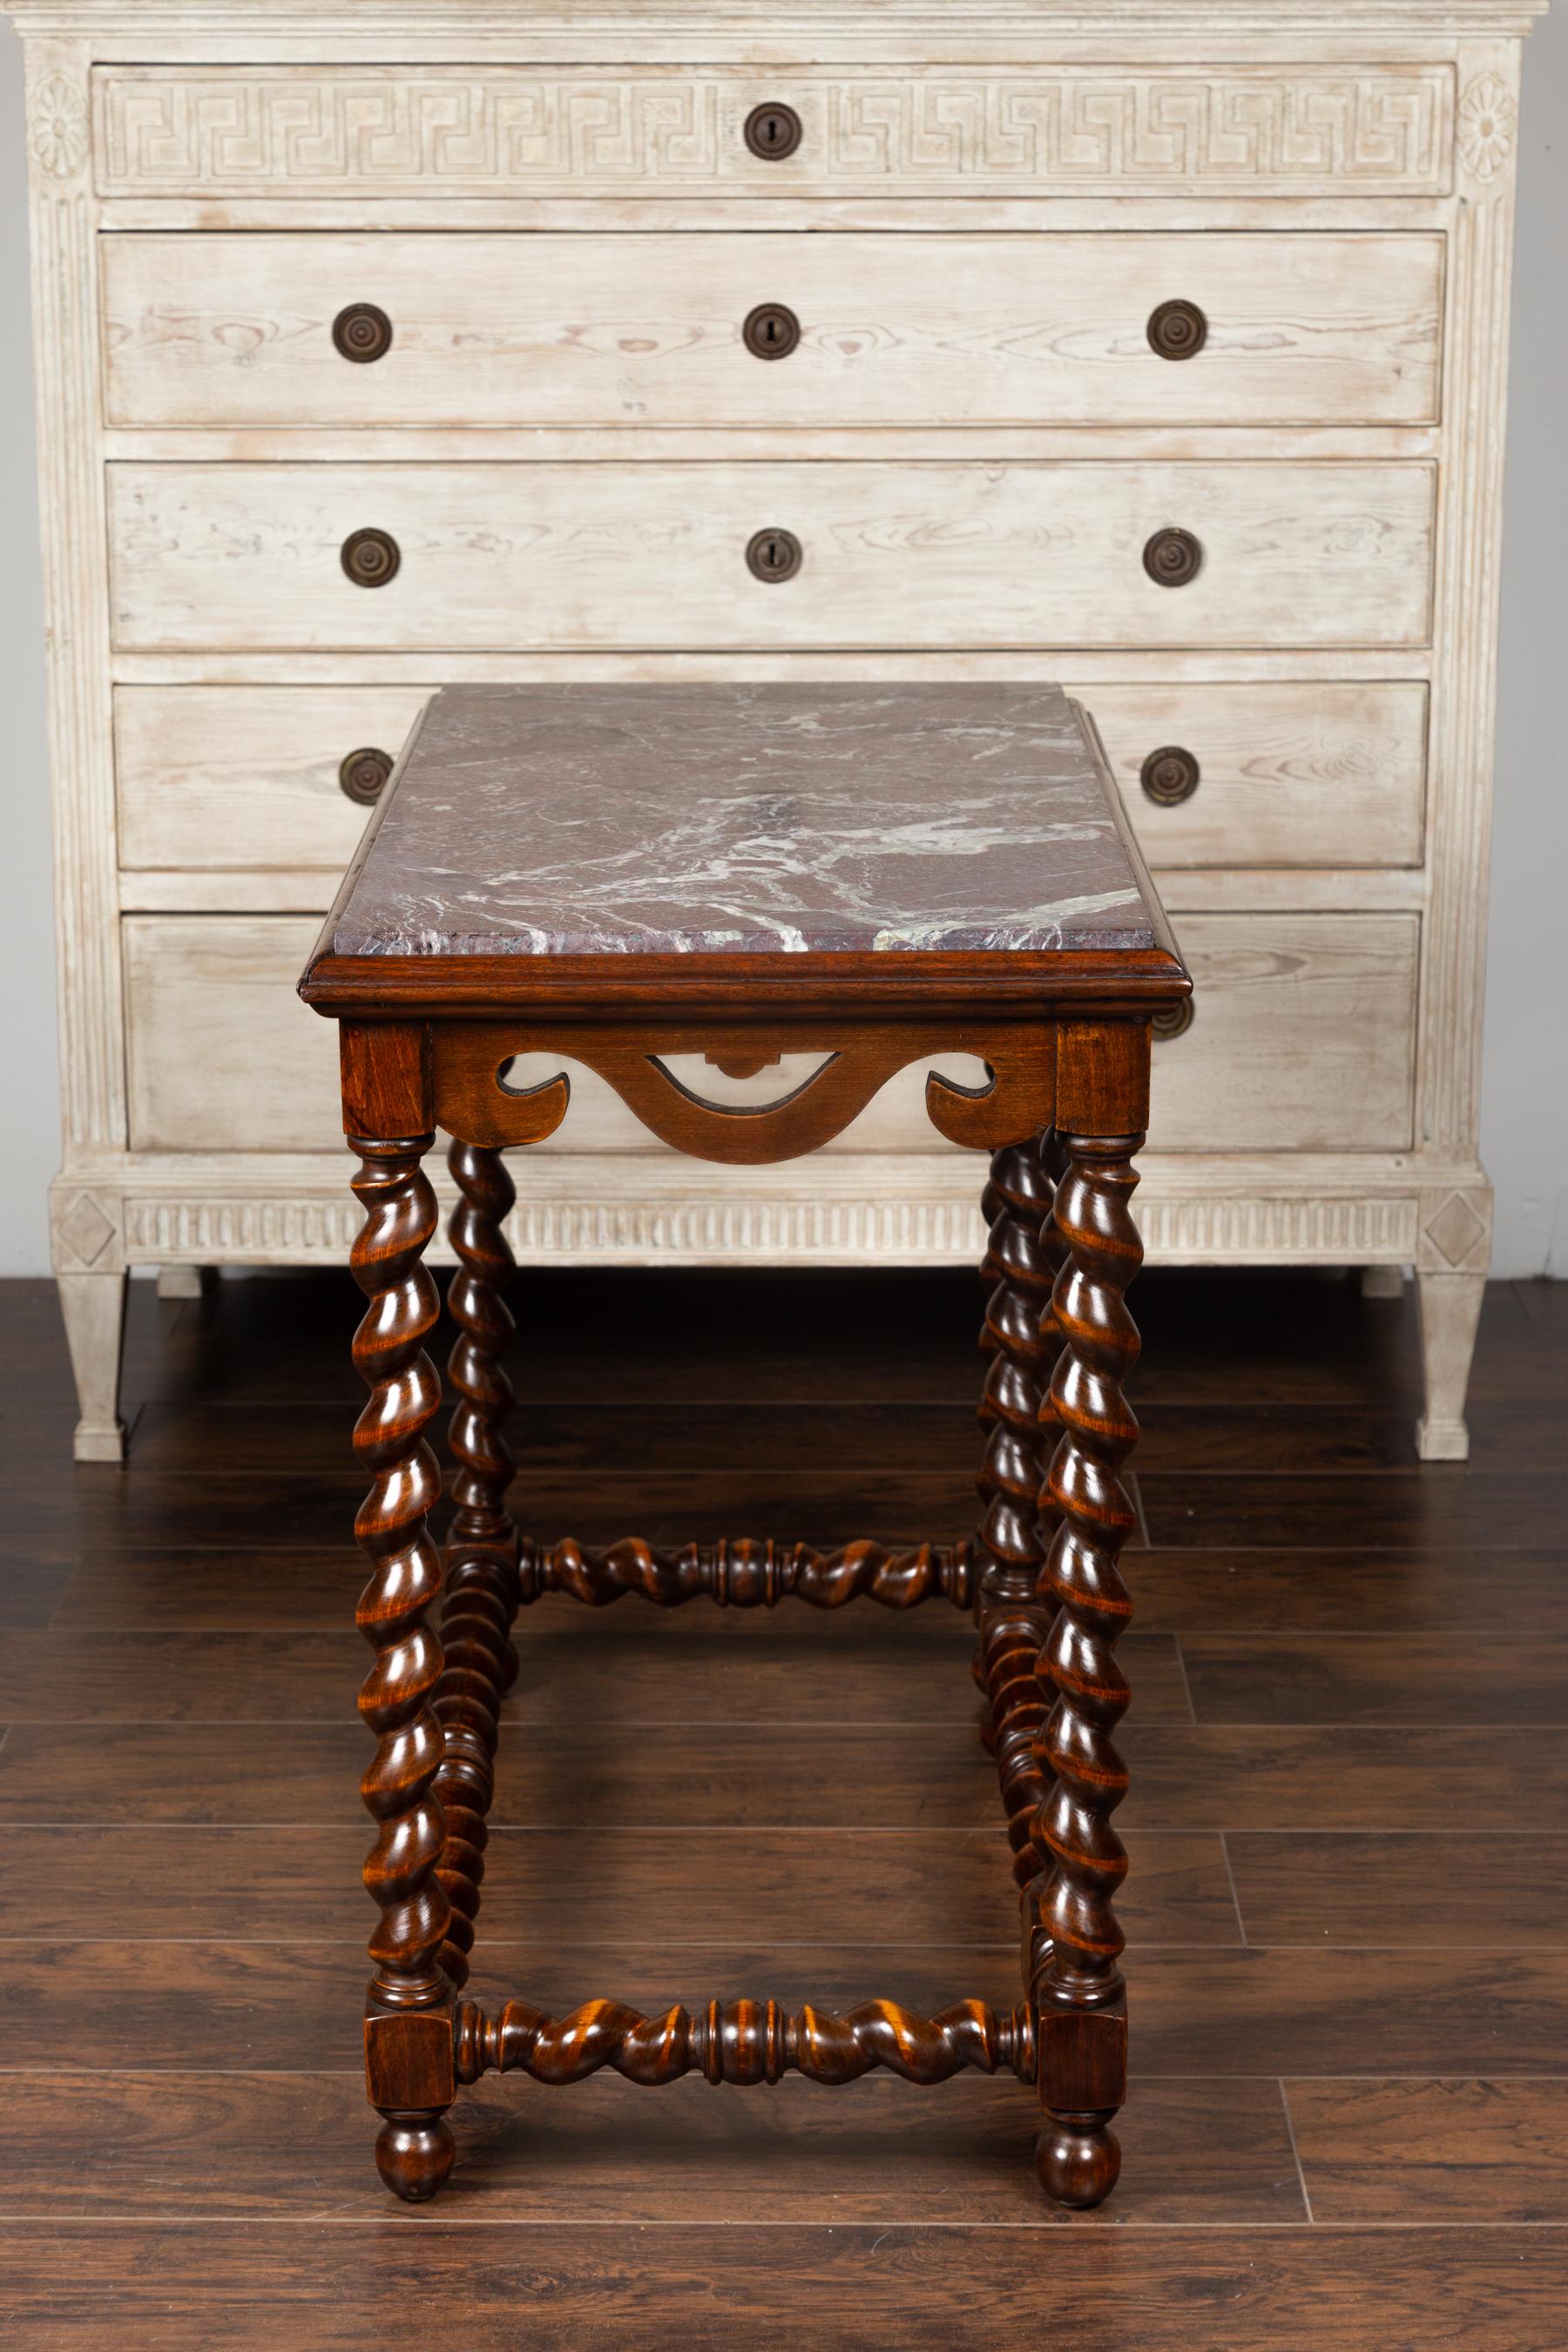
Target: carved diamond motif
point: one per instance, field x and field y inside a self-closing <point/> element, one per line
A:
<point x="85" y="1230"/>
<point x="1456" y="1229"/>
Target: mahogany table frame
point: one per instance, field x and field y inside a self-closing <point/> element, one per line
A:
<point x="426" y="1042"/>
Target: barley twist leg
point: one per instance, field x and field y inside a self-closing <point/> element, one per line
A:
<point x="408" y="2020"/>
<point x="745" y="2041"/>
<point x="1010" y="1620"/>
<point x="1076" y="1942"/>
<point x="482" y="1594"/>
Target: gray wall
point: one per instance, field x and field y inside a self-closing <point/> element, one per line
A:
<point x="1524" y="1128"/>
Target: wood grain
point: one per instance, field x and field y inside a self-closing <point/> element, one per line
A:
<point x="1419" y="1964"/>
<point x="1455" y="2150"/>
<point x="1272" y="1059"/>
<point x="209" y="558"/>
<point x="1350" y="1678"/>
<point x="81" y="2286"/>
<point x="740" y="1770"/>
<point x="947" y="330"/>
<point x="214" y="1881"/>
<point x="217" y="2145"/>
<point x="240" y="783"/>
<point x="1492" y="1511"/>
<point x="1203" y="2010"/>
<point x="1426" y="1888"/>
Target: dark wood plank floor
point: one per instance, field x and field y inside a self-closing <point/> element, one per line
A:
<point x="1347" y="1906"/>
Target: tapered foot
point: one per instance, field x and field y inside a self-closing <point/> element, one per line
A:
<point x="414" y="2155"/>
<point x="1078" y="2161"/>
<point x="1450" y="1312"/>
<point x="93" y="1305"/>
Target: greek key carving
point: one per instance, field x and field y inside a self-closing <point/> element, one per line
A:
<point x="336" y="132"/>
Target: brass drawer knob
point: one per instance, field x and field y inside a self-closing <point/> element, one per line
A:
<point x="771" y="330"/>
<point x="371" y="558"/>
<point x="363" y="333"/>
<point x="774" y="555"/>
<point x="772" y="132"/>
<point x="1172" y="1020"/>
<point x="1172" y="558"/>
<point x="1170" y="775"/>
<point x="362" y="774"/>
<point x="1177" y="331"/>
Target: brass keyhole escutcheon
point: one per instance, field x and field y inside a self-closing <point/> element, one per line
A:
<point x="371" y="558"/>
<point x="362" y="774"/>
<point x="363" y="333"/>
<point x="1172" y="558"/>
<point x="1172" y="1020"/>
<point x="1177" y="331"/>
<point x="1170" y="775"/>
<point x="772" y="132"/>
<point x="774" y="555"/>
<point x="771" y="330"/>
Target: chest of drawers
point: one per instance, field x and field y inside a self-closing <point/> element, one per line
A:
<point x="1156" y="349"/>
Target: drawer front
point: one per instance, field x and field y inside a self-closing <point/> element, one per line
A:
<point x="283" y="330"/>
<point x="233" y="779"/>
<point x="221" y="1054"/>
<point x="505" y="557"/>
<point x="1291" y="773"/>
<point x="1286" y="773"/>
<point x="225" y="1057"/>
<point x="1260" y="131"/>
<point x="1303" y="1038"/>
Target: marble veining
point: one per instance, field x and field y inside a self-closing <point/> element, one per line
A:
<point x="766" y="819"/>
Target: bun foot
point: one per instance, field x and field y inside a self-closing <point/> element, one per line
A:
<point x="414" y="2155"/>
<point x="1079" y="2163"/>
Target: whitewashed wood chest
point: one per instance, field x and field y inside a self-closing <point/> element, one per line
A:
<point x="1157" y="346"/>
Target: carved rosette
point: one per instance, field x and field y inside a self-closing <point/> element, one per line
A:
<point x="1487" y="126"/>
<point x="59" y="137"/>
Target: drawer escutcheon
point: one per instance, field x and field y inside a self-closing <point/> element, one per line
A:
<point x="1172" y="558"/>
<point x="1177" y="331"/>
<point x="774" y="132"/>
<point x="364" y="773"/>
<point x="774" y="555"/>
<point x="371" y="558"/>
<point x="363" y="333"/>
<point x="771" y="330"/>
<point x="1170" y="775"/>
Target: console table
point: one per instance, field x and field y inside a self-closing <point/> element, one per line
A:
<point x="671" y="886"/>
<point x="1157" y="346"/>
